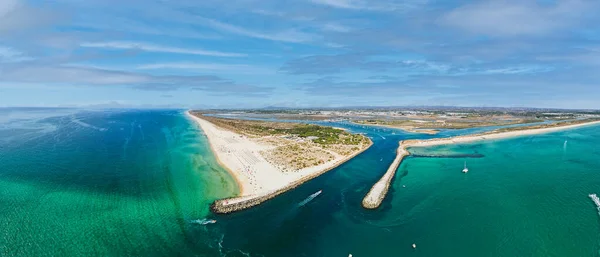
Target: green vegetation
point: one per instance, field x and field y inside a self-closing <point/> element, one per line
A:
<point x="318" y="134"/>
<point x="548" y="125"/>
<point x="469" y="121"/>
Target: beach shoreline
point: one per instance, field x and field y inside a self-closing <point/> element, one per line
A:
<point x="379" y="190"/>
<point x="257" y="178"/>
<point x="239" y="183"/>
<point x="493" y="135"/>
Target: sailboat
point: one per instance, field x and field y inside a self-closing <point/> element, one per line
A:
<point x="465" y="170"/>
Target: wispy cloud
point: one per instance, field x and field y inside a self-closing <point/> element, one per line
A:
<point x="66" y="75"/>
<point x="389" y="5"/>
<point x="336" y="27"/>
<point x="8" y="54"/>
<point x="148" y="47"/>
<point x="208" y="67"/>
<point x="290" y="35"/>
<point x="347" y="4"/>
<point x="521" y="69"/>
<point x="331" y="64"/>
<point x="7" y="6"/>
<point x="17" y="15"/>
<point x="517" y="18"/>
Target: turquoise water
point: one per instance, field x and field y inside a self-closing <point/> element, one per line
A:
<point x="130" y="183"/>
<point x="105" y="184"/>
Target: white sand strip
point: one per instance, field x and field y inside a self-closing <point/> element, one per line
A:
<point x="256" y="177"/>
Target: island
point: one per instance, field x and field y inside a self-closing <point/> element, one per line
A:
<point x="431" y="124"/>
<point x="268" y="158"/>
<point x="379" y="190"/>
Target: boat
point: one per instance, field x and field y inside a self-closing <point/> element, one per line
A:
<point x="465" y="170"/>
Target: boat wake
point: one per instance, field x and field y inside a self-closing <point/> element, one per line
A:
<point x="310" y="198"/>
<point x="203" y="221"/>
<point x="594" y="198"/>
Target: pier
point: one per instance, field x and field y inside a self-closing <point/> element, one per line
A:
<point x="378" y="192"/>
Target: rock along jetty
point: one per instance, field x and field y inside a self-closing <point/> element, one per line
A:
<point x="380" y="189"/>
<point x="378" y="192"/>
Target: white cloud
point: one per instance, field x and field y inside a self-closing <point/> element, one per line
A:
<point x="519" y="70"/>
<point x="7" y="6"/>
<point x="81" y="76"/>
<point x="389" y="5"/>
<point x="516" y="18"/>
<point x="70" y="75"/>
<point x="291" y="35"/>
<point x="8" y="54"/>
<point x="347" y="4"/>
<point x="207" y="67"/>
<point x="16" y="16"/>
<point x="336" y="28"/>
<point x="148" y="47"/>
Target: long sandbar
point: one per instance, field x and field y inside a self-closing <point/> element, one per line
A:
<point x="258" y="179"/>
<point x="375" y="196"/>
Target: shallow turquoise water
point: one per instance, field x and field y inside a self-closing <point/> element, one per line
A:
<point x="124" y="183"/>
<point x="105" y="183"/>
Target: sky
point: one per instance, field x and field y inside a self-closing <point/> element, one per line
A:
<point x="301" y="53"/>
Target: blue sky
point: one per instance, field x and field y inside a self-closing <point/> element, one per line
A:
<point x="302" y="53"/>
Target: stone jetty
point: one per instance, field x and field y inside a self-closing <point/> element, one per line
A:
<point x="377" y="193"/>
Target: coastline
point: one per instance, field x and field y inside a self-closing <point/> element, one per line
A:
<point x="493" y="135"/>
<point x="379" y="190"/>
<point x="258" y="179"/>
<point x="239" y="183"/>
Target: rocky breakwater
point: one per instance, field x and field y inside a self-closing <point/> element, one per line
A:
<point x="375" y="197"/>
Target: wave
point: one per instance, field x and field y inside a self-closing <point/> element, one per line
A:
<point x="87" y="125"/>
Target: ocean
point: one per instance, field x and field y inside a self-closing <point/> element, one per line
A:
<point x="135" y="183"/>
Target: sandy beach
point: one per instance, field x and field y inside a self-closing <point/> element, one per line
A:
<point x="256" y="176"/>
<point x="375" y="196"/>
<point x="491" y="135"/>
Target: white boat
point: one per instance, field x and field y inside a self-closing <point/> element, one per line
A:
<point x="465" y="170"/>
